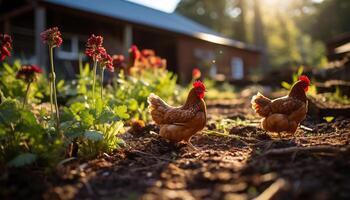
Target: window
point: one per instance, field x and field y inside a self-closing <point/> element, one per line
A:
<point x="70" y="49"/>
<point x="237" y="68"/>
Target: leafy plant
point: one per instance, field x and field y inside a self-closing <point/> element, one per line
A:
<point x="295" y="76"/>
<point x="22" y="139"/>
<point x="94" y="126"/>
<point x="15" y="88"/>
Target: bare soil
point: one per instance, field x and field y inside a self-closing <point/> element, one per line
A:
<point x="247" y="163"/>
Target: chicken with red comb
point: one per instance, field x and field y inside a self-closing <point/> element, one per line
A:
<point x="283" y="114"/>
<point x="180" y="123"/>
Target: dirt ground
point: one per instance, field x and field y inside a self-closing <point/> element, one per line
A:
<point x="247" y="163"/>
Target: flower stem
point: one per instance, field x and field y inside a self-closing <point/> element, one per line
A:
<point x="26" y="95"/>
<point x="54" y="88"/>
<point x="51" y="96"/>
<point x="94" y="81"/>
<point x="102" y="74"/>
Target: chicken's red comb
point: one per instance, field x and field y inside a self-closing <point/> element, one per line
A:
<point x="199" y="84"/>
<point x="305" y="79"/>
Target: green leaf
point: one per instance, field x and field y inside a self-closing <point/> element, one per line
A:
<point x="93" y="135"/>
<point x="105" y="117"/>
<point x="77" y="107"/>
<point x="86" y="71"/>
<point x="23" y="159"/>
<point x="73" y="133"/>
<point x="121" y="111"/>
<point x="29" y="124"/>
<point x="98" y="106"/>
<point x="300" y="70"/>
<point x="328" y="119"/>
<point x="8" y="68"/>
<point x="133" y="105"/>
<point x="286" y="85"/>
<point x="60" y="84"/>
<point x="9" y="111"/>
<point x="118" y="127"/>
<point x="87" y="118"/>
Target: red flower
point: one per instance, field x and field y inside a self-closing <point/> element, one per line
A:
<point x="156" y="61"/>
<point x="134" y="54"/>
<point x="28" y="73"/>
<point x="196" y="73"/>
<point x="118" y="61"/>
<point x="52" y="37"/>
<point x="94" y="48"/>
<point x="147" y="53"/>
<point x="5" y="46"/>
<point x="107" y="61"/>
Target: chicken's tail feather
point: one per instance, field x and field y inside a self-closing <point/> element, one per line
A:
<point x="157" y="108"/>
<point x="259" y="104"/>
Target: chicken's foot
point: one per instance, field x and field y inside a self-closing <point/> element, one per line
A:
<point x="191" y="145"/>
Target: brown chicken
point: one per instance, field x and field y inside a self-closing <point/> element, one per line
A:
<point x="180" y="123"/>
<point x="283" y="114"/>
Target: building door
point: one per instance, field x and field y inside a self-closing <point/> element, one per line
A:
<point x="237" y="68"/>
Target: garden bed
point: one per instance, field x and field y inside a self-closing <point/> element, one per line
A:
<point x="244" y="163"/>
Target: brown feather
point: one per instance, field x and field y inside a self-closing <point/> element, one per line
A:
<point x="178" y="123"/>
<point x="284" y="113"/>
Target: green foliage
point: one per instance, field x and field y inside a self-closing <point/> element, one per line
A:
<point x="22" y="137"/>
<point x="213" y="90"/>
<point x="291" y="31"/>
<point x="133" y="91"/>
<point x="27" y="138"/>
<point x="295" y="76"/>
<point x="94" y="125"/>
<point x="15" y="88"/>
<point x="337" y="97"/>
<point x="23" y="159"/>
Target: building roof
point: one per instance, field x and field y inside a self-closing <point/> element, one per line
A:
<point x="135" y="13"/>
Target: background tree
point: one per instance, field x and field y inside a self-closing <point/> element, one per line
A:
<point x="290" y="32"/>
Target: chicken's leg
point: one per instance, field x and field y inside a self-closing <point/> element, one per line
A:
<point x="188" y="141"/>
<point x="279" y="135"/>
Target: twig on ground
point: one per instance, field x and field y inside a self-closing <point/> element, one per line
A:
<point x="313" y="149"/>
<point x="274" y="188"/>
<point x="147" y="167"/>
<point x="306" y="128"/>
<point x="66" y="161"/>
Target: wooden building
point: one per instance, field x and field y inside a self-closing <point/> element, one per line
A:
<point x="184" y="43"/>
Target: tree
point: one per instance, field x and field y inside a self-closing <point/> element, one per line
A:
<point x="224" y="16"/>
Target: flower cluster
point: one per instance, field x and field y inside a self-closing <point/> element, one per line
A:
<point x="107" y="61"/>
<point x="196" y="73"/>
<point x="5" y="45"/>
<point x="52" y="37"/>
<point x="145" y="59"/>
<point x="28" y="73"/>
<point x="94" y="48"/>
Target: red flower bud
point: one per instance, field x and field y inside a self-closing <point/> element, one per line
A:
<point x="5" y="46"/>
<point x="28" y="73"/>
<point x="94" y="48"/>
<point x="52" y="37"/>
<point x="107" y="61"/>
